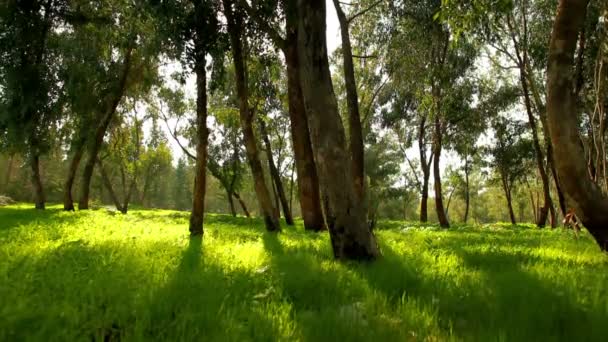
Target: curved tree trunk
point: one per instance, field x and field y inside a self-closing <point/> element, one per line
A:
<point x="37" y="180"/>
<point x="200" y="179"/>
<point x="235" y="31"/>
<point x="108" y="184"/>
<point x="68" y="202"/>
<point x="231" y="203"/>
<point x="587" y="200"/>
<point x="507" y="189"/>
<point x="100" y="131"/>
<point x="437" y="145"/>
<point x="349" y="233"/>
<point x="276" y="177"/>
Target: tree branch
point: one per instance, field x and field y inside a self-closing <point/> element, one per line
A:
<point x="274" y="35"/>
<point x="358" y="14"/>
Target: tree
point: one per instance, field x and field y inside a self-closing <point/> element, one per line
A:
<point x="307" y="177"/>
<point x="590" y="205"/>
<point x="236" y="32"/>
<point x="351" y="237"/>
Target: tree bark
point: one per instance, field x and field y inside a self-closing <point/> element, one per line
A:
<point x="242" y="203"/>
<point x="306" y="169"/>
<point x="352" y="101"/>
<point x="235" y="31"/>
<point x="425" y="165"/>
<point x="437" y="146"/>
<point x="507" y="189"/>
<point x="200" y="179"/>
<point x="587" y="200"/>
<point x="467" y="193"/>
<point x="107" y="114"/>
<point x="108" y="184"/>
<point x="68" y="202"/>
<point x="350" y="236"/>
<point x="37" y="181"/>
<point x="231" y="203"/>
<point x="276" y="177"/>
<point x="9" y="172"/>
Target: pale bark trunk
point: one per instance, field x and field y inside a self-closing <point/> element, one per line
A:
<point x="350" y="236"/>
<point x="352" y="101"/>
<point x="587" y="200"/>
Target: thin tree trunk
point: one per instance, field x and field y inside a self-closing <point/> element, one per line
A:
<point x="108" y="184"/>
<point x="350" y="236"/>
<point x="467" y="194"/>
<point x="291" y="189"/>
<point x="426" y="172"/>
<point x="352" y="100"/>
<point x="197" y="214"/>
<point x="235" y="31"/>
<point x="9" y="172"/>
<point x="587" y="200"/>
<point x="231" y="202"/>
<point x="242" y="203"/>
<point x="68" y="202"/>
<point x="276" y="177"/>
<point x="37" y="180"/>
<point x="100" y="131"/>
<point x="437" y="145"/>
<point x="507" y="190"/>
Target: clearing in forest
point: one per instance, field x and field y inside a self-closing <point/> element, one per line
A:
<point x="98" y="275"/>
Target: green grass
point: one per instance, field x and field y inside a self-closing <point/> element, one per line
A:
<point x="108" y="277"/>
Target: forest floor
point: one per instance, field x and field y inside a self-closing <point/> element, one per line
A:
<point x="103" y="276"/>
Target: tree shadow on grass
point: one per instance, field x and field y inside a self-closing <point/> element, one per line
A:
<point x="14" y="217"/>
<point x="487" y="297"/>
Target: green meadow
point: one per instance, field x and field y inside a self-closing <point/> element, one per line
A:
<point x="103" y="276"/>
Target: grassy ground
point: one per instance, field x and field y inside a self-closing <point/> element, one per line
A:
<point x="102" y="276"/>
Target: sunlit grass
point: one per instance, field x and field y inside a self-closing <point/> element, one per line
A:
<point x="98" y="275"/>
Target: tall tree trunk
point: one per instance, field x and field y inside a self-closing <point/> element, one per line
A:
<point x="107" y="114"/>
<point x="467" y="193"/>
<point x="350" y="236"/>
<point x="242" y="203"/>
<point x="306" y="169"/>
<point x="68" y="202"/>
<point x="274" y="173"/>
<point x="37" y="180"/>
<point x="437" y="146"/>
<point x="235" y="31"/>
<point x="200" y="179"/>
<point x="352" y="100"/>
<point x="291" y="189"/>
<point x="587" y="200"/>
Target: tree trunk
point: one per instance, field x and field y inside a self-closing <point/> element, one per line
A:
<point x="306" y="169"/>
<point x="231" y="203"/>
<point x="349" y="233"/>
<point x="437" y="145"/>
<point x="235" y="31"/>
<point x="587" y="200"/>
<point x="200" y="179"/>
<point x="100" y="131"/>
<point x="467" y="194"/>
<point x="37" y="180"/>
<point x="108" y="184"/>
<point x="276" y="177"/>
<point x="507" y="190"/>
<point x="68" y="202"/>
<point x="426" y="170"/>
<point x="242" y="203"/>
<point x="352" y="100"/>
<point x="9" y="172"/>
